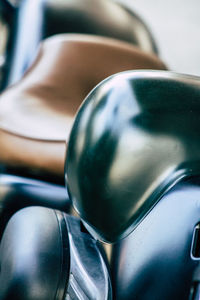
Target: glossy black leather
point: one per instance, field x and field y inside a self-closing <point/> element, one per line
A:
<point x="32" y="21"/>
<point x="155" y="261"/>
<point x="19" y="192"/>
<point x="46" y="254"/>
<point x="134" y="137"/>
<point x="34" y="256"/>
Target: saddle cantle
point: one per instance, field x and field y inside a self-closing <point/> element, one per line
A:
<point x="134" y="137"/>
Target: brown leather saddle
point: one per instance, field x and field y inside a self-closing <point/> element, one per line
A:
<point x="36" y="114"/>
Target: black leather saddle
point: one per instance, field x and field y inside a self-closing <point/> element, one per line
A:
<point x="140" y="160"/>
<point x="45" y="254"/>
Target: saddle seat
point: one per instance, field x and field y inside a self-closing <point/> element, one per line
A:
<point x="36" y="114"/>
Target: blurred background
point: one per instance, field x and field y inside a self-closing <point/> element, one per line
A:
<point x="175" y="25"/>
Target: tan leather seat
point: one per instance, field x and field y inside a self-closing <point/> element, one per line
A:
<point x="36" y="114"/>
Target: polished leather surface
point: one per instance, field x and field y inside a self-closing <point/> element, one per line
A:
<point x="134" y="137"/>
<point x="19" y="192"/>
<point x="46" y="254"/>
<point x="155" y="261"/>
<point x="32" y="21"/>
<point x="37" y="113"/>
<point x="35" y="257"/>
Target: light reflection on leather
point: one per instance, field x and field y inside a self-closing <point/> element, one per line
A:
<point x="147" y="141"/>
